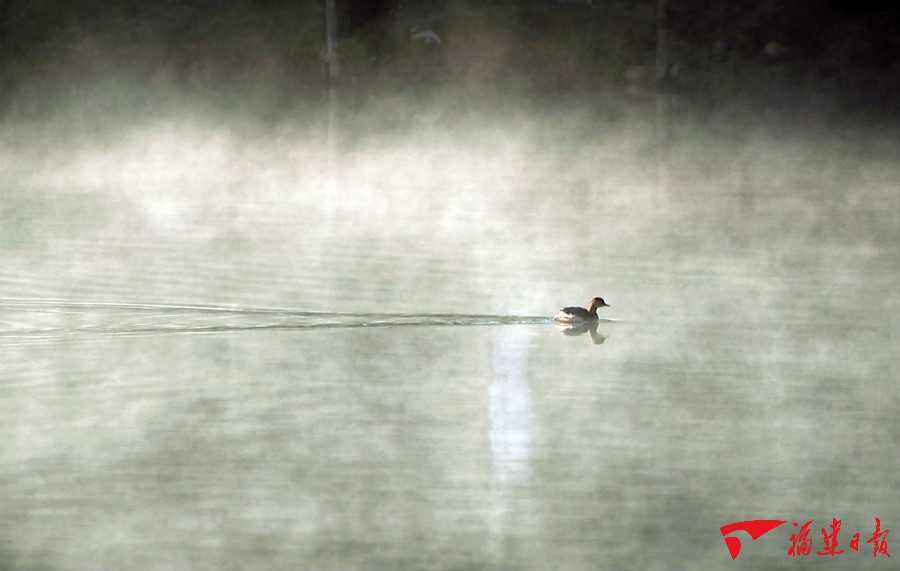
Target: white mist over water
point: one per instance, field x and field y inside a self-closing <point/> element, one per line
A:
<point x="482" y="193"/>
<point x="242" y="328"/>
<point x="749" y="372"/>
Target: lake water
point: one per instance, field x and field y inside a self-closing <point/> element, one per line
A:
<point x="228" y="345"/>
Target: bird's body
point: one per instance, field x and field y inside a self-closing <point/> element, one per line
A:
<point x="580" y="314"/>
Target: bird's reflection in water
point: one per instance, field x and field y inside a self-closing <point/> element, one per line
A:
<point x="589" y="327"/>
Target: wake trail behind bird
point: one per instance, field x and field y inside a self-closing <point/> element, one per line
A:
<point x="32" y="319"/>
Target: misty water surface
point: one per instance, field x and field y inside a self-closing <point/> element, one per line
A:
<point x="219" y="351"/>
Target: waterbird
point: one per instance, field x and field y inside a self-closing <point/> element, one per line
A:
<point x="576" y="314"/>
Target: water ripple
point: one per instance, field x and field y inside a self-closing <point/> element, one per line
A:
<point x="35" y="320"/>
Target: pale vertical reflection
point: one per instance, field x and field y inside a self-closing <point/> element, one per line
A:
<point x="510" y="400"/>
<point x="510" y="407"/>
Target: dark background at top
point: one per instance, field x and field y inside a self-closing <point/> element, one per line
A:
<point x="848" y="49"/>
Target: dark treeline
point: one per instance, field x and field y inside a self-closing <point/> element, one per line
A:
<point x="848" y="51"/>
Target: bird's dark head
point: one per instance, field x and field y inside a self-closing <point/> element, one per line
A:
<point x="598" y="302"/>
